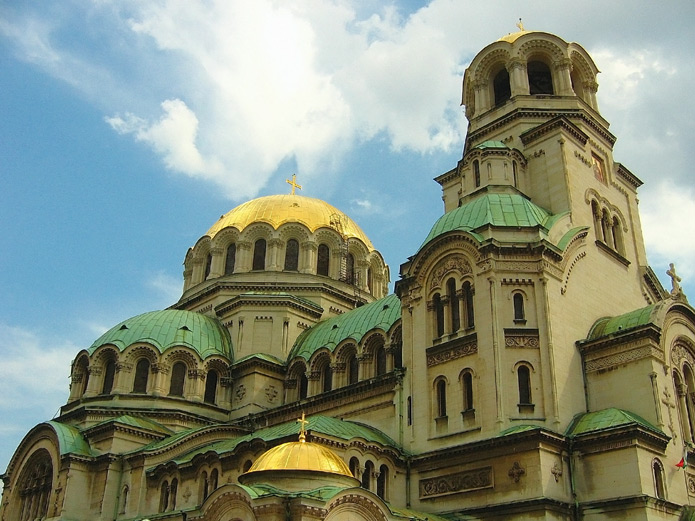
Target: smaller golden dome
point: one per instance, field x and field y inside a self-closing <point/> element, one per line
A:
<point x="512" y="37"/>
<point x="301" y="456"/>
<point x="277" y="210"/>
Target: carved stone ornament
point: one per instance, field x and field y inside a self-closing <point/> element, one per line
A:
<point x="522" y="340"/>
<point x="453" y="263"/>
<point x="556" y="471"/>
<point x="271" y="393"/>
<point x="460" y="482"/>
<point x="691" y="485"/>
<point x="457" y="351"/>
<point x="240" y="392"/>
<point x="516" y="472"/>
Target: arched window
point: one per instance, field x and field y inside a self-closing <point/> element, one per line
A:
<point x="659" y="485"/>
<point x="142" y="373"/>
<point x="453" y="305"/>
<point x="208" y="265"/>
<point x="440" y="388"/>
<point x="524" y="380"/>
<point x="681" y="393"/>
<point x="172" y="493"/>
<point x="540" y="80"/>
<point x="352" y="367"/>
<point x="35" y="486"/>
<point x="124" y="499"/>
<point x="322" y="260"/>
<point x="214" y="478"/>
<point x="515" y="174"/>
<point x="292" y="255"/>
<point x="617" y="236"/>
<point x="178" y="378"/>
<point x="230" y="260"/>
<point x="109" y="373"/>
<point x="367" y="475"/>
<point x="247" y="465"/>
<point x="259" y="255"/>
<point x="370" y="280"/>
<point x="354" y="466"/>
<point x="164" y="496"/>
<point x="687" y="391"/>
<point x="380" y="359"/>
<point x="211" y="386"/>
<point x="204" y="486"/>
<point x="606" y="227"/>
<point x="326" y="377"/>
<point x="469" y="314"/>
<point x="519" y="315"/>
<point x="476" y="172"/>
<point x="467" y="383"/>
<point x="502" y="87"/>
<point x="438" y="314"/>
<point x="381" y="482"/>
<point x="80" y="376"/>
<point x="303" y="386"/>
<point x="350" y="268"/>
<point x="596" y="214"/>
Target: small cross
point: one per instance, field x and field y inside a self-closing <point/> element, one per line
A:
<point x="302" y="432"/>
<point x="520" y="25"/>
<point x="675" y="280"/>
<point x="293" y="183"/>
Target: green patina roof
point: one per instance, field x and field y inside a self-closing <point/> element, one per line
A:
<point x="504" y="210"/>
<point x="261" y="356"/>
<point x="490" y="144"/>
<point x="321" y="493"/>
<point x="276" y="295"/>
<point x="415" y="515"/>
<point x="140" y="423"/>
<point x="168" y="328"/>
<point x="608" y="325"/>
<point x="516" y="429"/>
<point x="606" y="419"/>
<point x="341" y="429"/>
<point x="382" y="313"/>
<point x="70" y="439"/>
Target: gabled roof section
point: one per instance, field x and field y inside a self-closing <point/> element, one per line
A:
<point x="169" y="328"/>
<point x="333" y="427"/>
<point x="607" y="419"/>
<point x="354" y="324"/>
<point x="138" y="423"/>
<point x="490" y="144"/>
<point x="492" y="209"/>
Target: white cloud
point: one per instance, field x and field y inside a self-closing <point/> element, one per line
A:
<point x="668" y="223"/>
<point x="167" y="286"/>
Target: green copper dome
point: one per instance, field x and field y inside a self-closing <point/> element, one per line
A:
<point x="494" y="209"/>
<point x="169" y="328"/>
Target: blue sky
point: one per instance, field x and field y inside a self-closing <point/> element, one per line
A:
<point x="129" y="127"/>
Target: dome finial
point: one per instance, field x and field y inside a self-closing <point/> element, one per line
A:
<point x="520" y="25"/>
<point x="302" y="432"/>
<point x="293" y="183"/>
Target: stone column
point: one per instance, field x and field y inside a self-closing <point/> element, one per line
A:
<point x="274" y="246"/>
<point x="563" y="68"/>
<point x="518" y="77"/>
<point x="482" y="96"/>
<point x="217" y="267"/>
<point x="244" y="257"/>
<point x="308" y="264"/>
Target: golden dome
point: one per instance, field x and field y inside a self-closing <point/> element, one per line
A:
<point x="302" y="456"/>
<point x="512" y="37"/>
<point x="277" y="210"/>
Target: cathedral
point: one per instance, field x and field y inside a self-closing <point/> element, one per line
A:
<point x="529" y="364"/>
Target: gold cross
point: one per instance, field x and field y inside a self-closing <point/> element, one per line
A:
<point x="302" y="433"/>
<point x="293" y="183"/>
<point x="520" y="25"/>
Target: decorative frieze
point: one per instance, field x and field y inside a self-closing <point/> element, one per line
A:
<point x="516" y="472"/>
<point x="621" y="358"/>
<point x="520" y="338"/>
<point x="475" y="479"/>
<point x="452" y="350"/>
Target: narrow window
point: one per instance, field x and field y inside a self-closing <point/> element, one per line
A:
<point x="367" y="475"/>
<point x="259" y="255"/>
<point x="617" y="236"/>
<point x="380" y="357"/>
<point x="247" y="465"/>
<point x="599" y="170"/>
<point x="109" y="373"/>
<point x="354" y="467"/>
<point x="370" y="280"/>
<point x="204" y="486"/>
<point x="524" y="377"/>
<point x="540" y="79"/>
<point x="172" y="494"/>
<point x="381" y="481"/>
<point x="398" y="356"/>
<point x="441" y="398"/>
<point x="476" y="173"/>
<point x="438" y="314"/>
<point x="208" y="266"/>
<point x="230" y="259"/>
<point x="292" y="255"/>
<point x="213" y="480"/>
<point x="596" y="214"/>
<point x="350" y="268"/>
<point x="410" y="410"/>
<point x="502" y="87"/>
<point x="353" y="369"/>
<point x="327" y="377"/>
<point x="453" y="305"/>
<point x="178" y="377"/>
<point x="515" y="174"/>
<point x="124" y="499"/>
<point x="322" y="260"/>
<point x="468" y="302"/>
<point x="211" y="387"/>
<point x="519" y="307"/>
<point x="467" y="391"/>
<point x="659" y="487"/>
<point x="142" y="372"/>
<point x="303" y="386"/>
<point x="164" y="497"/>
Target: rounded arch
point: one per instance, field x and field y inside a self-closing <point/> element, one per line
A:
<point x="352" y="505"/>
<point x="32" y="491"/>
<point x="79" y="376"/>
<point x="297" y="382"/>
